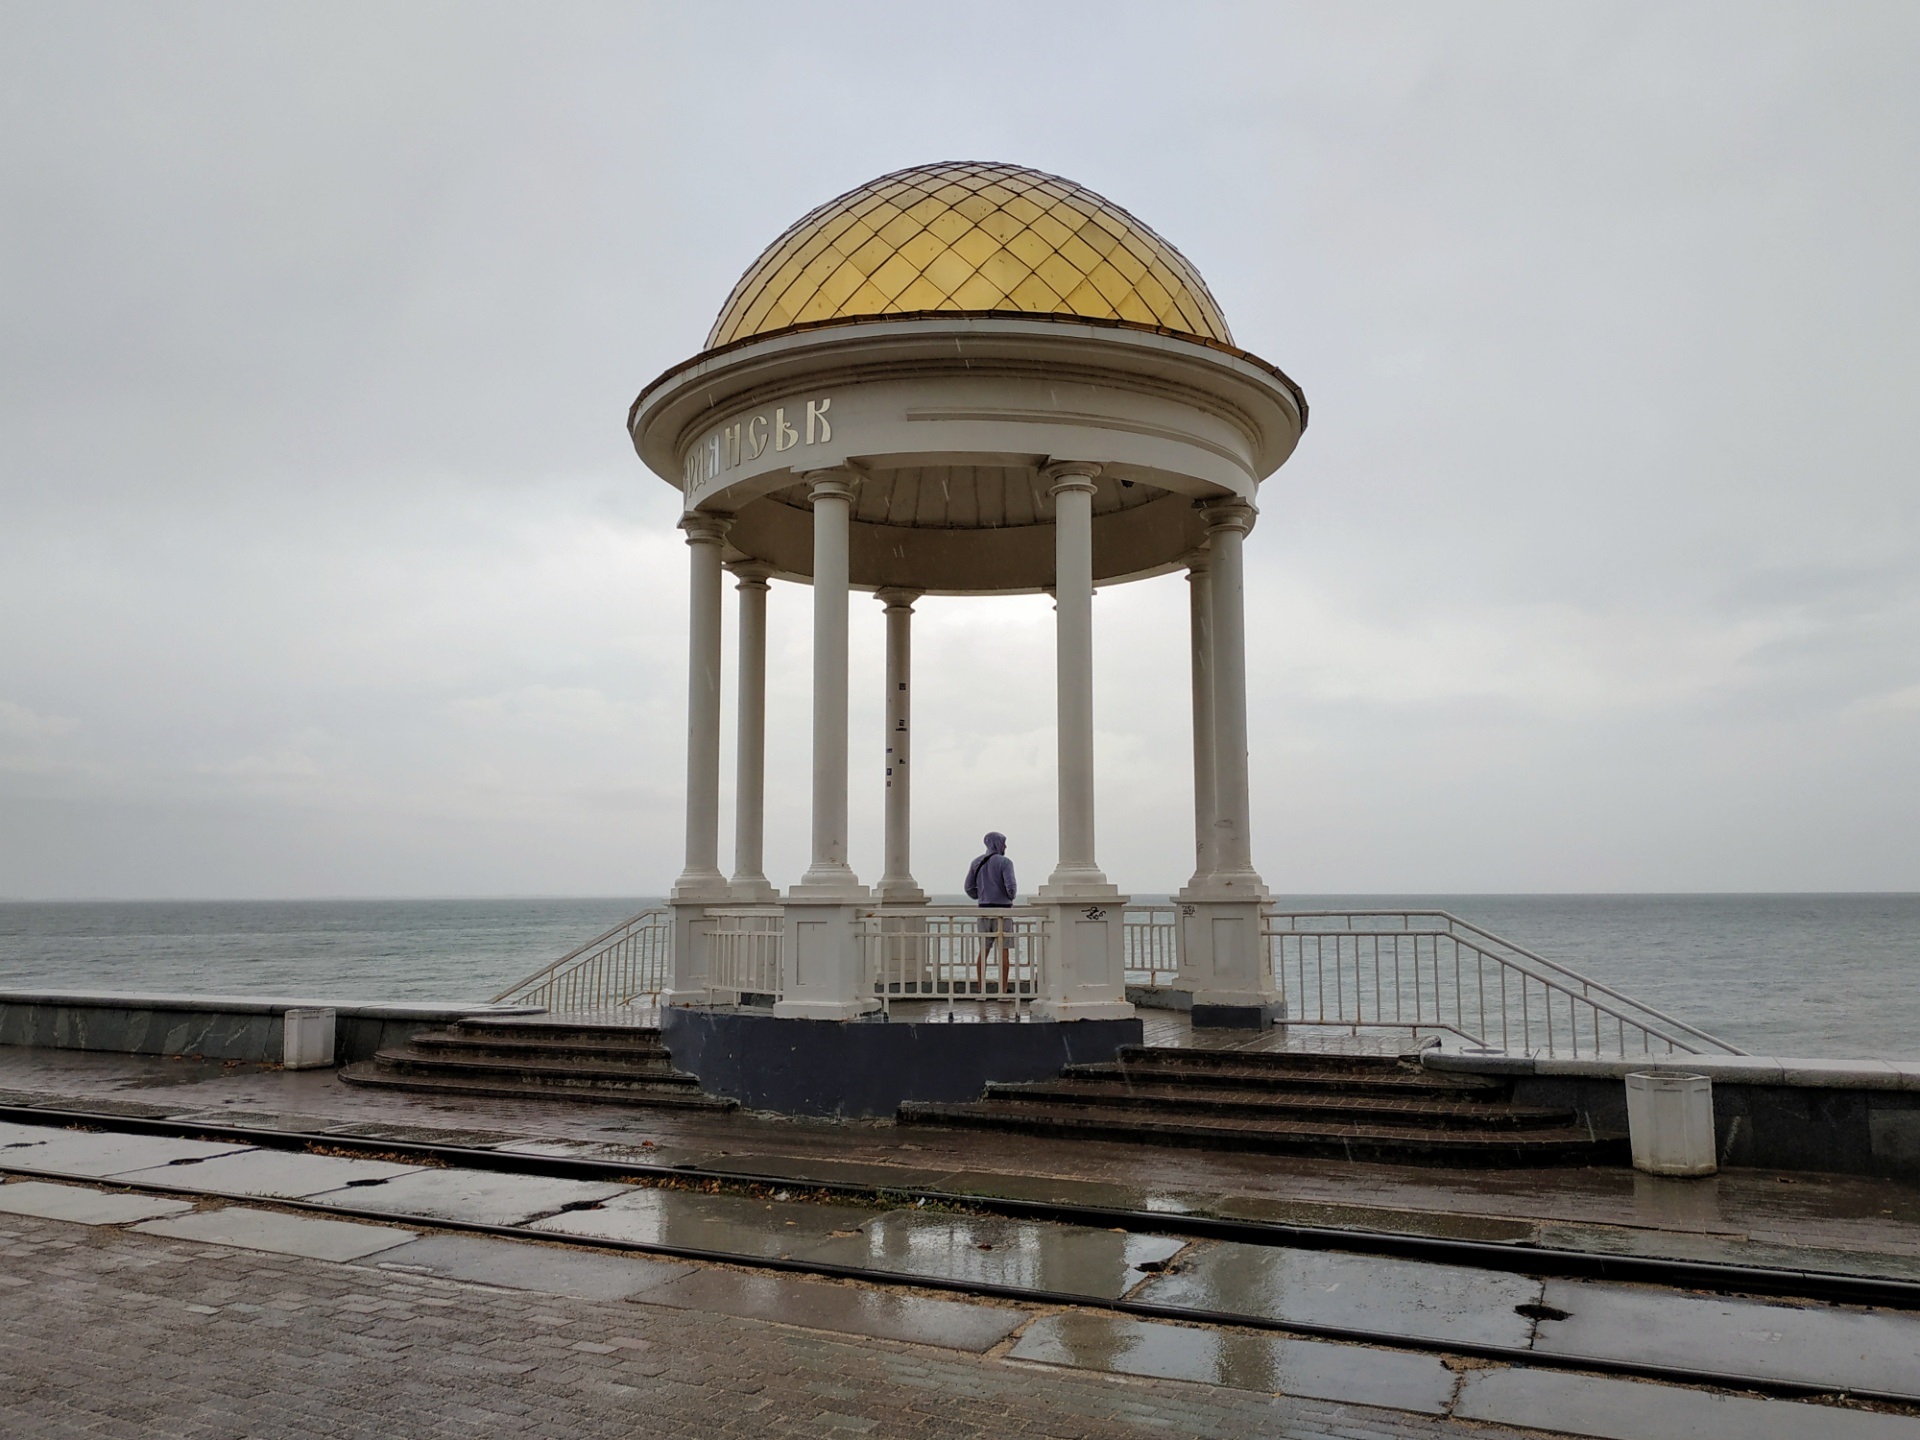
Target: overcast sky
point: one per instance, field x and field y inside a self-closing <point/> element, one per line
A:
<point x="326" y="567"/>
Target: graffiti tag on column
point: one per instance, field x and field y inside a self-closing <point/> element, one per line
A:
<point x="1094" y="912"/>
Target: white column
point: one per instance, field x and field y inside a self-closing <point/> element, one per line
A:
<point x="1200" y="626"/>
<point x="1083" y="971"/>
<point x="897" y="885"/>
<point x="822" y="964"/>
<point x="1077" y="872"/>
<point x="700" y="878"/>
<point x="829" y="876"/>
<point x="749" y="884"/>
<point x="700" y="884"/>
<point x="1223" y="961"/>
<point x="1227" y="525"/>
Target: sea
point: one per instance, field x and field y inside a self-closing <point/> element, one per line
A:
<point x="1835" y="976"/>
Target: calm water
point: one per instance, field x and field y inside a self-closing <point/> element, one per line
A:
<point x="1833" y="975"/>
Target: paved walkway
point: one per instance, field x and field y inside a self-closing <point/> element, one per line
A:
<point x="105" y="1331"/>
<point x="206" y="1311"/>
<point x="1841" y="1223"/>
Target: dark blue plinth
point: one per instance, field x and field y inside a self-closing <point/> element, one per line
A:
<point x="867" y="1067"/>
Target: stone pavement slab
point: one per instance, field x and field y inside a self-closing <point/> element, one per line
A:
<point x="849" y="1309"/>
<point x="517" y="1265"/>
<point x="1064" y="1259"/>
<point x="1245" y="1360"/>
<point x="83" y="1204"/>
<point x="98" y="1154"/>
<point x="740" y="1224"/>
<point x="481" y="1197"/>
<point x="1391" y="1297"/>
<point x="13" y="1135"/>
<point x="1609" y="1409"/>
<point x="303" y="1235"/>
<point x="1839" y="1345"/>
<point x="111" y="1335"/>
<point x="284" y="1174"/>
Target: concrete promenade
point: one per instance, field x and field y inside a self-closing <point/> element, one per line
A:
<point x="1853" y="1224"/>
<point x="188" y="1300"/>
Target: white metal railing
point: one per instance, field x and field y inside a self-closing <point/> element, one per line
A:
<point x="932" y="952"/>
<point x="626" y="967"/>
<point x="1428" y="970"/>
<point x="1150" y="940"/>
<point x="743" y="950"/>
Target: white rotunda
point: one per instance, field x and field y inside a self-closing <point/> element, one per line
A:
<point x="962" y="379"/>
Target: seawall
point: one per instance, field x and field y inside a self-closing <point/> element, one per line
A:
<point x="1845" y="1117"/>
<point x="211" y="1027"/>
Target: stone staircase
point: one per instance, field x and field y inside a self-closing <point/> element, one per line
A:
<point x="1348" y="1107"/>
<point x="538" y="1059"/>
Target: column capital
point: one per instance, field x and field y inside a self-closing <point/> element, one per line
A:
<point x="1198" y="563"/>
<point x="830" y="484"/>
<point x="1231" y="513"/>
<point x="752" y="574"/>
<point x="897" y="597"/>
<point x="705" y="529"/>
<point x="1071" y="475"/>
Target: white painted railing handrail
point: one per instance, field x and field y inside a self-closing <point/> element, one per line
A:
<point x="1430" y="969"/>
<point x="616" y="967"/>
<point x="1630" y="1008"/>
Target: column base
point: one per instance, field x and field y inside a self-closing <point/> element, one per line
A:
<point x="1078" y="885"/>
<point x="700" y="887"/>
<point x="752" y="890"/>
<point x="899" y="892"/>
<point x="1223" y="887"/>
<point x="829" y="887"/>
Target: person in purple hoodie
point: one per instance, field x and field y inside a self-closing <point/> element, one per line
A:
<point x="990" y="881"/>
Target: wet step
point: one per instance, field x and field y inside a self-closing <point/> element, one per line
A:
<point x="1390" y="1080"/>
<point x="1255" y="1070"/>
<point x="556" y="1032"/>
<point x="1164" y="1099"/>
<point x="456" y="1045"/>
<point x="535" y="1068"/>
<point x="439" y="1081"/>
<point x="1388" y="1144"/>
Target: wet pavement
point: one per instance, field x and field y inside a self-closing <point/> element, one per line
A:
<point x="1054" y="1259"/>
<point x="1352" y="1292"/>
<point x="1839" y="1345"/>
<point x="281" y="1174"/>
<point x="1241" y="1359"/>
<point x="847" y="1309"/>
<point x="1844" y="1224"/>
<point x="1807" y="1221"/>
<point x="278" y="1234"/>
<point x="1831" y="1345"/>
<point x="735" y="1224"/>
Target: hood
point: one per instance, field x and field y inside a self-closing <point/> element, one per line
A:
<point x="996" y="843"/>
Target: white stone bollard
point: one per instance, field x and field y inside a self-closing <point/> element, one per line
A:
<point x="307" y="1039"/>
<point x="1670" y="1123"/>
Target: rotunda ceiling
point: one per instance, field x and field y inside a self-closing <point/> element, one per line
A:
<point x="969" y="238"/>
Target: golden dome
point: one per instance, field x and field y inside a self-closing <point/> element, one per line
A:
<point x="972" y="238"/>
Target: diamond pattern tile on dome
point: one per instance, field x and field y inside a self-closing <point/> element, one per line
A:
<point x="969" y="237"/>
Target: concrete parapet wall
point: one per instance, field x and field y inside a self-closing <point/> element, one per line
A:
<point x="1847" y="1117"/>
<point x="211" y="1027"/>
